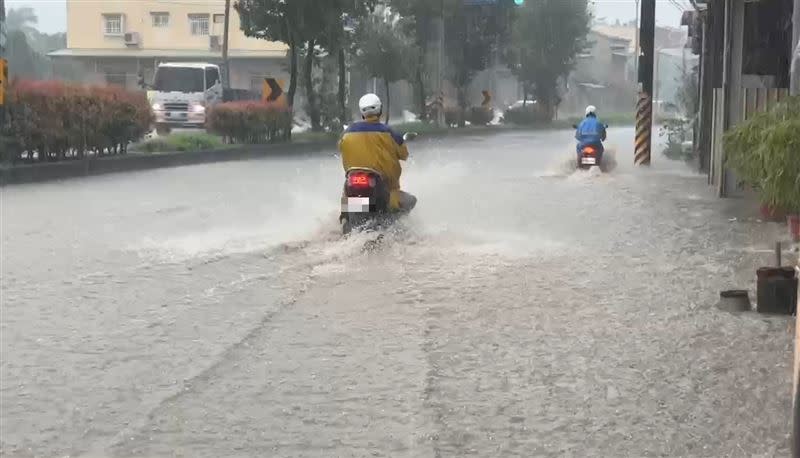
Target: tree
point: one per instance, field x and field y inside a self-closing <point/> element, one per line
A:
<point x="23" y="61"/>
<point x="383" y="49"/>
<point x="547" y="36"/>
<point x="469" y="38"/>
<point x="283" y="21"/>
<point x="27" y="49"/>
<point x="339" y="19"/>
<point x="22" y="19"/>
<point x="421" y="16"/>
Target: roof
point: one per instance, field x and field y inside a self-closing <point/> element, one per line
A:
<point x="617" y="32"/>
<point x="592" y="85"/>
<point x="678" y="52"/>
<point x="187" y="64"/>
<point x="203" y="54"/>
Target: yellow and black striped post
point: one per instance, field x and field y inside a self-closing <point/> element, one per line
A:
<point x="644" y="107"/>
<point x="644" y="129"/>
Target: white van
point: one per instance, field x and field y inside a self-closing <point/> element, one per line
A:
<point x="182" y="92"/>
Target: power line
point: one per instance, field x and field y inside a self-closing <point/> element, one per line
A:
<point x="677" y="5"/>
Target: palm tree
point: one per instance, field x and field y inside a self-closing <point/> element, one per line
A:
<point x="22" y="19"/>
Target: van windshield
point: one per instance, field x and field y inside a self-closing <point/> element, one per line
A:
<point x="177" y="79"/>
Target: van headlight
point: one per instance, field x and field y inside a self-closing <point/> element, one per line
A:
<point x="198" y="108"/>
<point x="156" y="107"/>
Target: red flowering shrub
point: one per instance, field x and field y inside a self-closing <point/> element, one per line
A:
<point x="51" y="120"/>
<point x="250" y="122"/>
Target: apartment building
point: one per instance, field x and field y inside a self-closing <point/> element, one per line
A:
<point x="118" y="40"/>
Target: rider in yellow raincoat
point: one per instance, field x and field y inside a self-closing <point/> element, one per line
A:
<point x="372" y="144"/>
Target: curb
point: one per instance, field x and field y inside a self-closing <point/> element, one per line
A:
<point x="132" y="162"/>
<point x="93" y="166"/>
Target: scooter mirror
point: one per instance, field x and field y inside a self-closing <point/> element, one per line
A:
<point x="408" y="136"/>
<point x="606" y="126"/>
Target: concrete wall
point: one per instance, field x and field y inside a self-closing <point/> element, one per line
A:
<point x="245" y="73"/>
<point x="125" y="71"/>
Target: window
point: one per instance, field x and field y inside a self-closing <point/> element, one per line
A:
<point x="179" y="79"/>
<point x="198" y="24"/>
<point x="112" y="24"/>
<point x="219" y="19"/>
<point x="212" y="76"/>
<point x="160" y="19"/>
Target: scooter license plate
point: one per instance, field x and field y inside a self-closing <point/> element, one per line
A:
<point x="589" y="161"/>
<point x="355" y="205"/>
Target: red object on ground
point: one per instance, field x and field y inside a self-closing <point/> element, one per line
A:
<point x="770" y="213"/>
<point x="794" y="227"/>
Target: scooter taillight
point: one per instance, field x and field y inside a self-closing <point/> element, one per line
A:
<point x="589" y="150"/>
<point x="360" y="181"/>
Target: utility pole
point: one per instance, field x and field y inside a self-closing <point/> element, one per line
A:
<point x="225" y="60"/>
<point x="644" y="107"/>
<point x="636" y="46"/>
<point x="438" y="96"/>
<point x="3" y="63"/>
<point x="795" y="59"/>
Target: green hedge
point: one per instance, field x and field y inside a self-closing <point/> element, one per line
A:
<point x="181" y="142"/>
<point x="250" y="122"/>
<point x="763" y="152"/>
<point x="526" y="116"/>
<point x="51" y="120"/>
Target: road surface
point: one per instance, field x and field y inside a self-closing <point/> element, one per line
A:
<point x="522" y="310"/>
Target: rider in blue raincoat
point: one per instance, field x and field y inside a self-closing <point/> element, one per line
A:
<point x="591" y="132"/>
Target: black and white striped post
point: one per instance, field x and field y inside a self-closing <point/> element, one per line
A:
<point x="644" y="106"/>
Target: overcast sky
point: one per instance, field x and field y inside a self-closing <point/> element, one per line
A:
<point x="52" y="13"/>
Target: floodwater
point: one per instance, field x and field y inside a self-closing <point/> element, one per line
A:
<point x="521" y="310"/>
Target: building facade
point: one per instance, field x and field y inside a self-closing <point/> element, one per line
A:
<point x="603" y="74"/>
<point x="745" y="50"/>
<point x="117" y="41"/>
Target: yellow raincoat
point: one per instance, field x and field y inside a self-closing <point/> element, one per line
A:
<point x="374" y="145"/>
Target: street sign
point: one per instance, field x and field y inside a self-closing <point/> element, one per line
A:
<point x="272" y="91"/>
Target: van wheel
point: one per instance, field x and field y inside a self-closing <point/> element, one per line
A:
<point x="347" y="228"/>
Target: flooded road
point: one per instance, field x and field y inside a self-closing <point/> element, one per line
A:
<point x="521" y="310"/>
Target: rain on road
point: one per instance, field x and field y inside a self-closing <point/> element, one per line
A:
<point x="521" y="310"/>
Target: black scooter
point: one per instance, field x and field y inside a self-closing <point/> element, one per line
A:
<point x="589" y="156"/>
<point x="365" y="199"/>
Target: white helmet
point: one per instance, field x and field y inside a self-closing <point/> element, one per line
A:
<point x="591" y="109"/>
<point x="370" y="105"/>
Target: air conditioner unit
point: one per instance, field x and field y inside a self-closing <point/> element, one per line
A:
<point x="132" y="39"/>
<point x="214" y="42"/>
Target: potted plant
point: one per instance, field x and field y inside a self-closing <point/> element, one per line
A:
<point x="765" y="153"/>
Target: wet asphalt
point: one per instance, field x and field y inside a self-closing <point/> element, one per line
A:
<point x="523" y="309"/>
